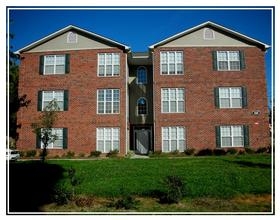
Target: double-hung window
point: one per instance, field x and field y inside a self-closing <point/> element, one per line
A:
<point x="231" y="97"/>
<point x="54" y="64"/>
<point x="173" y="139"/>
<point x="58" y="138"/>
<point x="228" y="60"/>
<point x="232" y="136"/>
<point x="108" y="64"/>
<point x="108" y="101"/>
<point x="59" y="96"/>
<point x="141" y="75"/>
<point x="108" y="139"/>
<point x="171" y="62"/>
<point x="173" y="100"/>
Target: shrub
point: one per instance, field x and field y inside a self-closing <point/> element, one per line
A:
<point x="113" y="153"/>
<point x="61" y="195"/>
<point x="231" y="151"/>
<point x="70" y="154"/>
<point x="30" y="153"/>
<point x="83" y="201"/>
<point x="249" y="150"/>
<point x="95" y="153"/>
<point x="204" y="152"/>
<point x="157" y="153"/>
<point x="263" y="150"/>
<point x="219" y="152"/>
<point x="189" y="151"/>
<point x="125" y="202"/>
<point x="173" y="189"/>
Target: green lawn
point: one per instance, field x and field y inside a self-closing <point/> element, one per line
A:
<point x="213" y="183"/>
<point x="218" y="177"/>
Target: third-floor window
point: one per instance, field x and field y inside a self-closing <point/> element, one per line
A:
<point x="171" y="62"/>
<point x="108" y="64"/>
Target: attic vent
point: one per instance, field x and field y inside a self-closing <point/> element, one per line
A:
<point x="72" y="37"/>
<point x="209" y="34"/>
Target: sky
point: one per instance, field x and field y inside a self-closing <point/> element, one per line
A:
<point x="142" y="27"/>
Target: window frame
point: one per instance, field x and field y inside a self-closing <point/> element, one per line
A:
<point x="229" y="68"/>
<point x="168" y="63"/>
<point x="205" y="36"/>
<point x="54" y="64"/>
<point x="53" y="98"/>
<point x="146" y="106"/>
<point x="170" y="139"/>
<point x="52" y="144"/>
<point x="111" y="129"/>
<point x="104" y="101"/>
<point x="139" y="82"/>
<point x="176" y="100"/>
<point x="113" y="64"/>
<point x="232" y="136"/>
<point x="230" y="98"/>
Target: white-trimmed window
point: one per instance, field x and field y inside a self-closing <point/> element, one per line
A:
<point x="228" y="60"/>
<point x="108" y="139"/>
<point x="141" y="75"/>
<point x="108" y="64"/>
<point x="171" y="62"/>
<point x="172" y="100"/>
<point x="173" y="139"/>
<point x="54" y="64"/>
<point x="58" y="96"/>
<point x="232" y="136"/>
<point x="108" y="101"/>
<point x="60" y="139"/>
<point x="230" y="97"/>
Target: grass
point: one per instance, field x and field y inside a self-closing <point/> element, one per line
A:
<point x="220" y="177"/>
<point x="223" y="183"/>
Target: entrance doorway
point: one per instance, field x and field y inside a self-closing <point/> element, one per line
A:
<point x="142" y="140"/>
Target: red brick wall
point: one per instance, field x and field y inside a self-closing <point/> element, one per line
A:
<point x="82" y="82"/>
<point x="199" y="81"/>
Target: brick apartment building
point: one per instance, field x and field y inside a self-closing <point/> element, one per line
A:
<point x="202" y="88"/>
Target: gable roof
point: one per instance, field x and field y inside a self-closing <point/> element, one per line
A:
<point x="68" y="28"/>
<point x="225" y="30"/>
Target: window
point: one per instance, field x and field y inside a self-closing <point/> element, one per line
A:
<point x="142" y="106"/>
<point x="108" y="64"/>
<point x="108" y="139"/>
<point x="173" y="138"/>
<point x="208" y="34"/>
<point x="60" y="96"/>
<point x="231" y="97"/>
<point x="72" y="37"/>
<point x="141" y="75"/>
<point x="60" y="140"/>
<point x="228" y="60"/>
<point x="54" y="64"/>
<point x="108" y="101"/>
<point x="231" y="136"/>
<point x="171" y="63"/>
<point x="173" y="100"/>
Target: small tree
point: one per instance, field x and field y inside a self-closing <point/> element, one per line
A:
<point x="43" y="127"/>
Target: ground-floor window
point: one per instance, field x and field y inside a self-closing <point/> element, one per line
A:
<point x="232" y="136"/>
<point x="108" y="139"/>
<point x="58" y="139"/>
<point x="173" y="138"/>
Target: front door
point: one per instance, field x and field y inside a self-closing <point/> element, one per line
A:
<point x="142" y="141"/>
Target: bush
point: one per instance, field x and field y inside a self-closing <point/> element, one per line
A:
<point x="204" y="152"/>
<point x="70" y="154"/>
<point x="173" y="189"/>
<point x="61" y="195"/>
<point x="189" y="151"/>
<point x="95" y="153"/>
<point x="83" y="201"/>
<point x="249" y="150"/>
<point x="263" y="150"/>
<point x="30" y="153"/>
<point x="125" y="202"/>
<point x="113" y="153"/>
<point x="231" y="151"/>
<point x="219" y="152"/>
